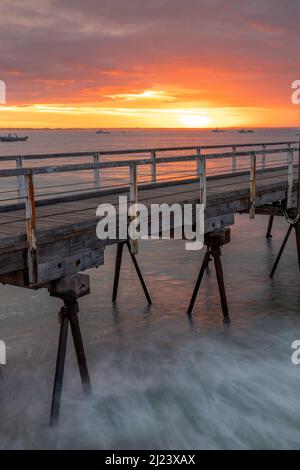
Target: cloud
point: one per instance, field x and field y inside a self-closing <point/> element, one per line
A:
<point x="218" y="52"/>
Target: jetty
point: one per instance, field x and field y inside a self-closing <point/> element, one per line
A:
<point x="48" y="232"/>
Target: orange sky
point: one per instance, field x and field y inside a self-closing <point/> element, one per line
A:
<point x="164" y="63"/>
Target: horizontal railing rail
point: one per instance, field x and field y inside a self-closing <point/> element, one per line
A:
<point x="148" y="150"/>
<point x="126" y="163"/>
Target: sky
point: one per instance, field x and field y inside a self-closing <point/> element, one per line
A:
<point x="149" y="63"/>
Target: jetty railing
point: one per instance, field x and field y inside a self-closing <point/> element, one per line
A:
<point x="151" y="153"/>
<point x="29" y="198"/>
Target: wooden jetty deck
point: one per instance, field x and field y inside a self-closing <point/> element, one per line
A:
<point x="68" y="220"/>
<point x="61" y="220"/>
<point x="47" y="241"/>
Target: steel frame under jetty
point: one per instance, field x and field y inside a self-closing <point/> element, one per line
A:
<point x="48" y="231"/>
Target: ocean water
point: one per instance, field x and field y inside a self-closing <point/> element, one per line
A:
<point x="159" y="379"/>
<point x="56" y="141"/>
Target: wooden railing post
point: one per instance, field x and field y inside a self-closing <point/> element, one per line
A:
<point x="20" y="178"/>
<point x="133" y="202"/>
<point x="290" y="178"/>
<point x="263" y="157"/>
<point x="201" y="171"/>
<point x="252" y="185"/>
<point x="153" y="166"/>
<point x="96" y="171"/>
<point x="31" y="230"/>
<point x="288" y="152"/>
<point x="233" y="158"/>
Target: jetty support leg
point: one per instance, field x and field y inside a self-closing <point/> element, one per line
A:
<point x="69" y="290"/>
<point x="198" y="282"/>
<point x="118" y="263"/>
<point x="59" y="370"/>
<point x="270" y="226"/>
<point x="216" y="252"/>
<point x="287" y="235"/>
<point x="138" y="271"/>
<point x="297" y="233"/>
<point x="214" y="241"/>
<point x="79" y="348"/>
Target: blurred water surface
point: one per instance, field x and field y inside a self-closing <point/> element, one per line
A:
<point x="159" y="380"/>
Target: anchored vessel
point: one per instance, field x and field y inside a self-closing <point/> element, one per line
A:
<point x="218" y="130"/>
<point x="13" y="138"/>
<point x="48" y="239"/>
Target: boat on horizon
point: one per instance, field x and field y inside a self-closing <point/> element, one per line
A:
<point x="102" y="132"/>
<point x="218" y="130"/>
<point x="246" y="131"/>
<point x="13" y="138"/>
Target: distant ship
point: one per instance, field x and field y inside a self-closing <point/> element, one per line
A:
<point x="12" y="138"/>
<point x="218" y="130"/>
<point x="102" y="132"/>
<point x="246" y="131"/>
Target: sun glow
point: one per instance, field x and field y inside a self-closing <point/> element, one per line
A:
<point x="195" y="120"/>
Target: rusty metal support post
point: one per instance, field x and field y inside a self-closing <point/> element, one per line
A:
<point x="96" y="171"/>
<point x="198" y="282"/>
<point x="137" y="268"/>
<point x="216" y="252"/>
<point x="133" y="205"/>
<point x="31" y="230"/>
<point x="153" y="166"/>
<point x="72" y="312"/>
<point x="281" y="250"/>
<point x="270" y="226"/>
<point x="118" y="263"/>
<point x="68" y="314"/>
<point x="252" y="185"/>
<point x="209" y="257"/>
<point x="69" y="289"/>
<point x="297" y="233"/>
<point x="213" y="241"/>
<point x="59" y="370"/>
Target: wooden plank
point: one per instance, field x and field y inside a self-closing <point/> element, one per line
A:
<point x="61" y="266"/>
